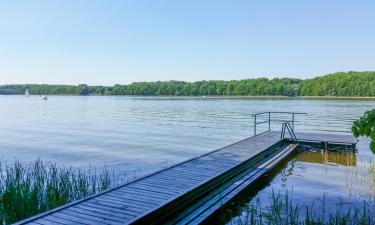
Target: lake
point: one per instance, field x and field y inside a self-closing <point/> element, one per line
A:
<point x="147" y="132"/>
<point x="136" y="135"/>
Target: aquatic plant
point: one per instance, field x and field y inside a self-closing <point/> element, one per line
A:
<point x="283" y="211"/>
<point x="365" y="126"/>
<point x="28" y="190"/>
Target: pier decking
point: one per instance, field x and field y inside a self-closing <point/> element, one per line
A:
<point x="189" y="192"/>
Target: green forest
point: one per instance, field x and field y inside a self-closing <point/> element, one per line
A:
<point x="337" y="84"/>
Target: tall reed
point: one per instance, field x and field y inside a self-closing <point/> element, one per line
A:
<point x="283" y="211"/>
<point x="28" y="190"/>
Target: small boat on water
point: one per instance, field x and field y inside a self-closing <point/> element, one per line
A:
<point x="44" y="97"/>
<point x="27" y="94"/>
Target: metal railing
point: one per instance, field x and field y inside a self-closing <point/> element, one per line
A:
<point x="287" y="126"/>
<point x="271" y="118"/>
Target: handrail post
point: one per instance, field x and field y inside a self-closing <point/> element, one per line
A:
<point x="255" y="125"/>
<point x="269" y="121"/>
<point x="293" y="123"/>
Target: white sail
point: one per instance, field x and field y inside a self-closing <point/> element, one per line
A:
<point x="27" y="93"/>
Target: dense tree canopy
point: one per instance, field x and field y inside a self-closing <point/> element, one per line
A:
<point x="338" y="84"/>
<point x="365" y="126"/>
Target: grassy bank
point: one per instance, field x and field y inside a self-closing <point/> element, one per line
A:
<point x="38" y="187"/>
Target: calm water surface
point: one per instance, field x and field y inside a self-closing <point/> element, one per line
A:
<point x="141" y="134"/>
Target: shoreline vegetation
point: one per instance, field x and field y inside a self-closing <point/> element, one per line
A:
<point x="337" y="85"/>
<point x="234" y="97"/>
<point x="282" y="210"/>
<point x="29" y="189"/>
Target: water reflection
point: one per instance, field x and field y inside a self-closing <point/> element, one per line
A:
<point x="328" y="158"/>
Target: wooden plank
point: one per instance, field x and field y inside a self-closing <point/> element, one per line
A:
<point x="209" y="171"/>
<point x="139" y="198"/>
<point x="89" y="218"/>
<point x="124" y="208"/>
<point x="166" y="188"/>
<point x="55" y="220"/>
<point x="137" y="209"/>
<point x="200" y="166"/>
<point x="179" y="180"/>
<point x="152" y="195"/>
<point x="105" y="210"/>
<point x="44" y="221"/>
<point x="69" y="218"/>
<point x="92" y="212"/>
<point x="153" y="188"/>
<point x="187" y="171"/>
<point x="194" y="177"/>
<point x="132" y="208"/>
<point x="181" y="187"/>
<point x="120" y="200"/>
<point x="153" y="192"/>
<point x="183" y="175"/>
<point x="146" y="196"/>
<point x="170" y="183"/>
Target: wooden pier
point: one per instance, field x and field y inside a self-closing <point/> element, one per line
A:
<point x="191" y="191"/>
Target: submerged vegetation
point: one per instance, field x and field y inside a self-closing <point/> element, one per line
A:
<point x="283" y="211"/>
<point x="28" y="190"/>
<point x="365" y="126"/>
<point x="338" y="84"/>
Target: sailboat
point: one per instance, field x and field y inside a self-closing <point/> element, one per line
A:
<point x="44" y="97"/>
<point x="27" y="94"/>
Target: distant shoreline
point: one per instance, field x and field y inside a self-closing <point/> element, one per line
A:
<point x="350" y="85"/>
<point x="228" y="97"/>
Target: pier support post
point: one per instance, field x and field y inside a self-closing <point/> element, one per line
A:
<point x="255" y="125"/>
<point x="293" y="122"/>
<point x="269" y="121"/>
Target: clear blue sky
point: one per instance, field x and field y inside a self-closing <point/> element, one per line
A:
<point x="108" y="42"/>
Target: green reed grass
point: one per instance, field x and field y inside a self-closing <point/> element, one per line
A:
<point x="283" y="211"/>
<point x="28" y="190"/>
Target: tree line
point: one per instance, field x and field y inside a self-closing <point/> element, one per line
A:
<point x="337" y="84"/>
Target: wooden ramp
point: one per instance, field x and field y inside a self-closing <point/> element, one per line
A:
<point x="186" y="193"/>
